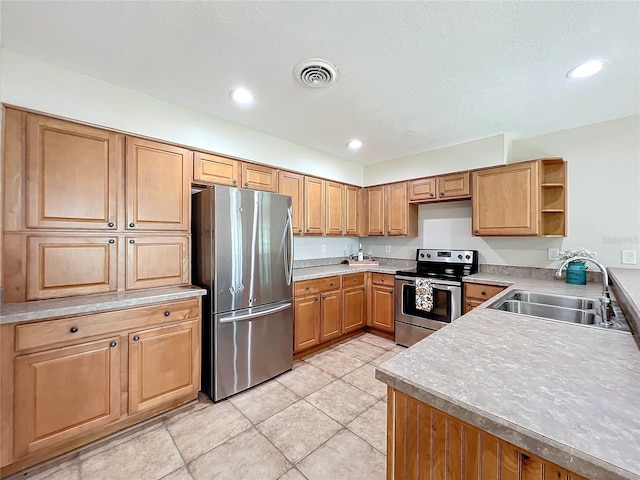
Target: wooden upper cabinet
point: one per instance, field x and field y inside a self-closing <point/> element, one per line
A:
<point x="292" y="184"/>
<point x="375" y="210"/>
<point x="454" y="186"/>
<point x="314" y="202"/>
<point x="216" y="169"/>
<point x="62" y="266"/>
<point x="154" y="261"/>
<point x="334" y="208"/>
<point x="436" y="189"/>
<point x="422" y="189"/>
<point x="64" y="392"/>
<point x="163" y="365"/>
<point x="505" y="200"/>
<point x="259" y="177"/>
<point x="72" y="175"/>
<point x="401" y="217"/>
<point x="352" y="210"/>
<point x="158" y="186"/>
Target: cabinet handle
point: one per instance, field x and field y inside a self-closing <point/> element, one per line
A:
<point x="112" y="344"/>
<point x="111" y="224"/>
<point x="299" y="230"/>
<point x="483" y="293"/>
<point x="475" y="231"/>
<point x="132" y="241"/>
<point x="431" y="195"/>
<point x="363" y="289"/>
<point x="246" y="184"/>
<point x="307" y="288"/>
<point x="167" y="313"/>
<point x="112" y="241"/>
<point x="73" y="329"/>
<point x="324" y="296"/>
<point x="382" y="280"/>
<point x="355" y="280"/>
<point x="307" y="230"/>
<point x="331" y="284"/>
<point x="468" y="304"/>
<point x="441" y="194"/>
<point x="136" y="338"/>
<point x="131" y="225"/>
<point x="235" y="182"/>
<point x="389" y="232"/>
<point x="316" y="299"/>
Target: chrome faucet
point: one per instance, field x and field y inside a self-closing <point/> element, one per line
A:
<point x="605" y="300"/>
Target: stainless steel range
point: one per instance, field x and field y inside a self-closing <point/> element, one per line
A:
<point x="444" y="269"/>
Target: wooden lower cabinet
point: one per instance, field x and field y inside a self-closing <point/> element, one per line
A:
<point x="64" y="392"/>
<point x="477" y="293"/>
<point x="330" y="315"/>
<point x="354" y="302"/>
<point x="306" y="330"/>
<point x="382" y="302"/>
<point x="423" y="442"/>
<point x="65" y="381"/>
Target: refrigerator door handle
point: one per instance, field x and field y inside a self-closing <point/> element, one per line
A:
<point x="254" y="314"/>
<point x="288" y="268"/>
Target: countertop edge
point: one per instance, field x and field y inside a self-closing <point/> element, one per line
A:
<point x="45" y="309"/>
<point x="551" y="450"/>
<point x="630" y="308"/>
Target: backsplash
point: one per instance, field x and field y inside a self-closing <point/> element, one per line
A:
<point x="322" y="262"/>
<point x="533" y="272"/>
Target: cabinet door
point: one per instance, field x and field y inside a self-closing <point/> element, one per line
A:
<point x="314" y="201"/>
<point x="307" y="322"/>
<point x="396" y="208"/>
<point x="259" y="177"/>
<point x="375" y="210"/>
<point x="158" y="186"/>
<point x="71" y="265"/>
<point x="422" y="189"/>
<point x="292" y="184"/>
<point x="215" y="169"/>
<point x="163" y="365"/>
<point x="453" y="186"/>
<point x="351" y="210"/>
<point x="505" y="200"/>
<point x="353" y="308"/>
<point x="331" y="315"/>
<point x="73" y="172"/>
<point x="382" y="316"/>
<point x="157" y="261"/>
<point x="65" y="392"/>
<point x="334" y="208"/>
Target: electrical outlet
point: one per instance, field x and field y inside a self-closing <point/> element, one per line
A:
<point x="387" y="248"/>
<point x="629" y="257"/>
<point x="552" y="253"/>
<point x="323" y="248"/>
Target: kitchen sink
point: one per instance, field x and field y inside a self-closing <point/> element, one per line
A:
<point x="556" y="300"/>
<point x="577" y="310"/>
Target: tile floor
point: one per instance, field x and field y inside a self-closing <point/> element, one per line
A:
<point x="325" y="419"/>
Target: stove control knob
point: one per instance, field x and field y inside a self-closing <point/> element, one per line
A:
<point x="428" y="255"/>
<point x="460" y="257"/>
<point x="468" y="257"/>
<point x="422" y="255"/>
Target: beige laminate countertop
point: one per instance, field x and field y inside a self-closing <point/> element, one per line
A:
<point x="310" y="273"/>
<point x="41" y="309"/>
<point x="568" y="393"/>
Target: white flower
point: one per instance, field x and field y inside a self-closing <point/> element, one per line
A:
<point x="575" y="252"/>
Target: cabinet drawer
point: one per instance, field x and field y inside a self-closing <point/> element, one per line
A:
<point x="383" y="279"/>
<point x="318" y="285"/>
<point x="481" y="291"/>
<point x="352" y="280"/>
<point x="43" y="334"/>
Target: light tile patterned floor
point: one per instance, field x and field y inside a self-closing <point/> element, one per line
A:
<point x="325" y="419"/>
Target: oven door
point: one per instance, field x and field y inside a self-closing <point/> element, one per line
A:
<point x="447" y="302"/>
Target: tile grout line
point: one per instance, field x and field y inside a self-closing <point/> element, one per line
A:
<point x="184" y="462"/>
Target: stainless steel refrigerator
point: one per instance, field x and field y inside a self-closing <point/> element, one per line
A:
<point x="243" y="256"/>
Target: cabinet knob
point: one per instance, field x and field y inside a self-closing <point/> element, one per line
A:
<point x="475" y="231"/>
<point x="324" y="296"/>
<point x="355" y="280"/>
<point x="235" y="182"/>
<point x="331" y="284"/>
<point x="111" y="224"/>
<point x="441" y="194"/>
<point x="112" y="344"/>
<point x="316" y="299"/>
<point x="382" y="280"/>
<point x="246" y="184"/>
<point x="132" y="241"/>
<point x="431" y="195"/>
<point x="112" y="241"/>
<point x="468" y="304"/>
<point x="167" y="313"/>
<point x="307" y="230"/>
<point x="299" y="230"/>
<point x="483" y="293"/>
<point x="131" y="225"/>
<point x="73" y="329"/>
<point x="307" y="287"/>
<point x="363" y="289"/>
<point x="136" y="338"/>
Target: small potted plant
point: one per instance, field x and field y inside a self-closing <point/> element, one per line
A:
<point x="576" y="269"/>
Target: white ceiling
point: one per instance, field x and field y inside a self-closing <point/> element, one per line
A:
<point x="413" y="76"/>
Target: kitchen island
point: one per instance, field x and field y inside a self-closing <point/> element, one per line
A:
<point x="531" y="388"/>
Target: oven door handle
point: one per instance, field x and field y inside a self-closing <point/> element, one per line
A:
<point x="437" y="286"/>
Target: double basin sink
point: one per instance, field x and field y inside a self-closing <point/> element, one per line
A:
<point x="584" y="311"/>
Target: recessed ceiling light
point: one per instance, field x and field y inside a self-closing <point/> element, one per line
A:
<point x="585" y="69"/>
<point x="354" y="144"/>
<point x="241" y="95"/>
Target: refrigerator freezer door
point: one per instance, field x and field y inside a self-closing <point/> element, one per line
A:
<point x="253" y="251"/>
<point x="250" y="346"/>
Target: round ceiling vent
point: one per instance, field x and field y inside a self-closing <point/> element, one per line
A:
<point x="315" y="73"/>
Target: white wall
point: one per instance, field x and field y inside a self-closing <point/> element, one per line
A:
<point x="465" y="156"/>
<point x="38" y="85"/>
<point x="603" y="202"/>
